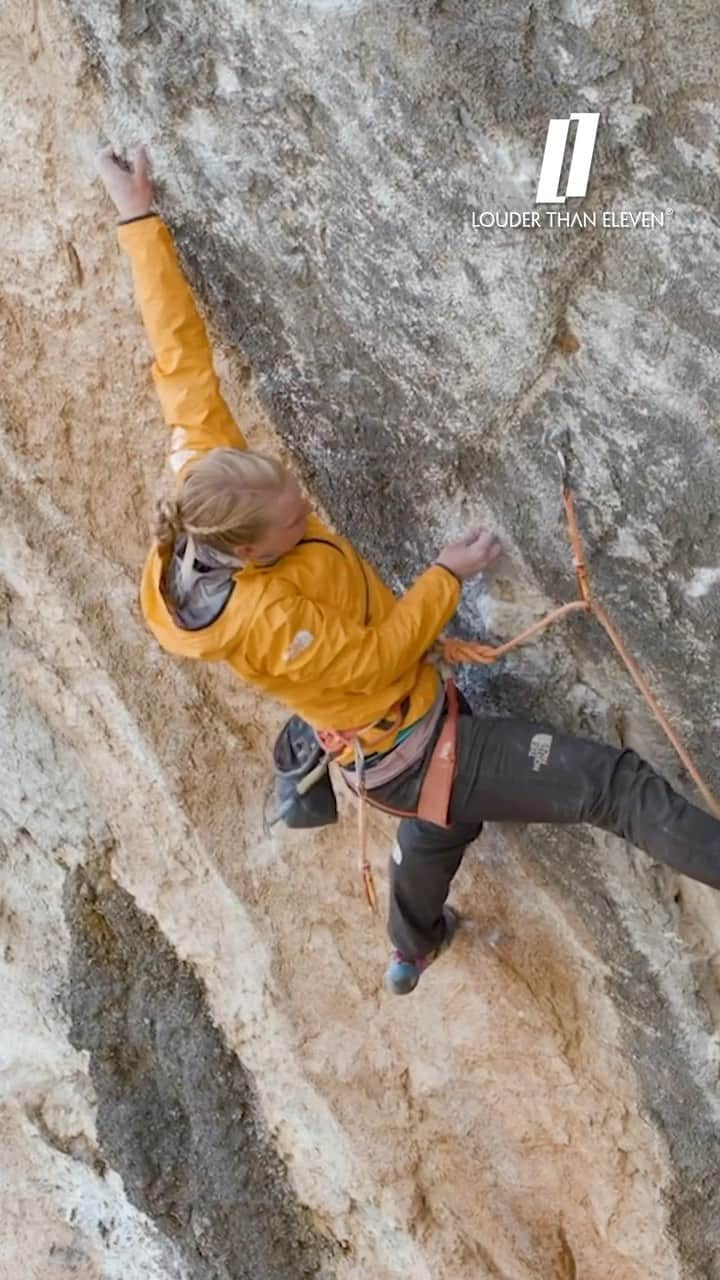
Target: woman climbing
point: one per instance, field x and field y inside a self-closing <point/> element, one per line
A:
<point x="242" y="571"/>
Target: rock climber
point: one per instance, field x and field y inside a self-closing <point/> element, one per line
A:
<point x="242" y="571"/>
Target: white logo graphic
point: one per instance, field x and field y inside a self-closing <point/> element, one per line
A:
<point x="300" y="641"/>
<point x="582" y="154"/>
<point x="539" y="751"/>
<point x="397" y="854"/>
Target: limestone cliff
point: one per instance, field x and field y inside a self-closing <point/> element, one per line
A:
<point x="202" y="1077"/>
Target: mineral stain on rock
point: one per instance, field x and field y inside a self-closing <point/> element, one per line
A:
<point x="177" y="1112"/>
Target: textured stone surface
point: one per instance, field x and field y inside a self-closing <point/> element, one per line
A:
<point x="549" y="1105"/>
<point x="178" y="1115"/>
<point x="63" y="1209"/>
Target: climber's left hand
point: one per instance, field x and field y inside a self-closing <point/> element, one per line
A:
<point x="129" y="186"/>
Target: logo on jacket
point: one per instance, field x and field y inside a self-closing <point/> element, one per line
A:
<point x="539" y="751"/>
<point x="299" y="643"/>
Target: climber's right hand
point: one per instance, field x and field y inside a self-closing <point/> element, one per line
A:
<point x="472" y="553"/>
<point x="129" y="186"/>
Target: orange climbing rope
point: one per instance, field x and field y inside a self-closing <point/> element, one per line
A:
<point x="453" y="650"/>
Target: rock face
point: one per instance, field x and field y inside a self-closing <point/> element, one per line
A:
<point x="547" y="1105"/>
<point x="178" y="1114"/>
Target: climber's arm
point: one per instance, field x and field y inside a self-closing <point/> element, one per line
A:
<point x="305" y="642"/>
<point x="182" y="369"/>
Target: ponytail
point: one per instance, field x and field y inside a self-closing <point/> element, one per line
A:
<point x="167" y="526"/>
<point x="225" y="499"/>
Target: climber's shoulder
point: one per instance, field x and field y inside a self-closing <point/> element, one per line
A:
<point x="254" y="591"/>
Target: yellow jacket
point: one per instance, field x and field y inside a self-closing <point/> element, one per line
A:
<point x="318" y="629"/>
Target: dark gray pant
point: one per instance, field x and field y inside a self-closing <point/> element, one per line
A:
<point x="520" y="771"/>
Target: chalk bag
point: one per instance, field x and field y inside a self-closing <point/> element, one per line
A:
<point x="303" y="790"/>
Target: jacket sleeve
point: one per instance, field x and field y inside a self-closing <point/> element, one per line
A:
<point x="312" y="643"/>
<point x="182" y="368"/>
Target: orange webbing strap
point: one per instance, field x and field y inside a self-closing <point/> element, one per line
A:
<point x="436" y="790"/>
<point x="454" y="650"/>
<point x="365" y="868"/>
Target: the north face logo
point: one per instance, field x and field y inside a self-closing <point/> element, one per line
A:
<point x="539" y="751"/>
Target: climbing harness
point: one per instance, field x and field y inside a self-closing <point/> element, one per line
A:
<point x="303" y="789"/>
<point x="335" y="741"/>
<point x="434" y="797"/>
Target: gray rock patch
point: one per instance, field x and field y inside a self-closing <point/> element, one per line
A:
<point x="177" y="1112"/>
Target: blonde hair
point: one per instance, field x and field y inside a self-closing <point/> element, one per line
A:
<point x="224" y="500"/>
